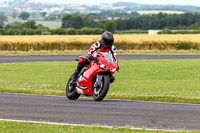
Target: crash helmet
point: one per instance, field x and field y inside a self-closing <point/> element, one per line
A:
<point x="107" y="39"/>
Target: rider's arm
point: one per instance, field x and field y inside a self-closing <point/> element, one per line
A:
<point x="114" y="53"/>
<point x="96" y="46"/>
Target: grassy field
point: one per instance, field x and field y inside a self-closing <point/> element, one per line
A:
<point x="21" y="127"/>
<point x="151" y="80"/>
<point x="82" y="52"/>
<point x="158" y="11"/>
<point x="50" y="24"/>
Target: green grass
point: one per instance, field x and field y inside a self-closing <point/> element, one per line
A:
<point x="50" y="24"/>
<point x="22" y="127"/>
<point x="150" y="80"/>
<point x="82" y="52"/>
<point x="42" y="53"/>
<point x="158" y="11"/>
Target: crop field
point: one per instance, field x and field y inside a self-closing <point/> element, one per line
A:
<point x="150" y="80"/>
<point x="83" y="42"/>
<point x="118" y="38"/>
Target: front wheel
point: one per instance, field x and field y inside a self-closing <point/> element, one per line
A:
<point x="71" y="91"/>
<point x="100" y="92"/>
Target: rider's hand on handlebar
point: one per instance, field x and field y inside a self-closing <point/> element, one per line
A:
<point x="95" y="59"/>
<point x="91" y="58"/>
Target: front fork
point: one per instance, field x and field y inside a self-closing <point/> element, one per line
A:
<point x="98" y="84"/>
<point x="98" y="81"/>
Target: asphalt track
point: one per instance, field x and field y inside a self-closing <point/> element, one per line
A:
<point x="48" y="58"/>
<point x="108" y="112"/>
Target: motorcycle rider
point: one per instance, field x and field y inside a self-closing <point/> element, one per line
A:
<point x="104" y="45"/>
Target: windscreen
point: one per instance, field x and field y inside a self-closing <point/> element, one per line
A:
<point x="108" y="56"/>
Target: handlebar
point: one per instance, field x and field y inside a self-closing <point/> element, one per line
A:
<point x="95" y="59"/>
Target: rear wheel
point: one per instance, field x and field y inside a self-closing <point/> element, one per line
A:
<point x="100" y="92"/>
<point x="71" y="91"/>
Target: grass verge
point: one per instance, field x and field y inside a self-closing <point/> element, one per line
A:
<point x="150" y="80"/>
<point x="82" y="52"/>
<point x="22" y="127"/>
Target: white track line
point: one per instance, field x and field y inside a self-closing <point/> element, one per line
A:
<point x="83" y="125"/>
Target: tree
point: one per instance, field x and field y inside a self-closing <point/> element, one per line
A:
<point x="66" y="21"/>
<point x="24" y="15"/>
<point x="14" y="25"/>
<point x="72" y="21"/>
<point x="121" y="24"/>
<point x="110" y="26"/>
<point x="30" y="24"/>
<point x="3" y="18"/>
<point x="90" y="20"/>
<point x="195" y="26"/>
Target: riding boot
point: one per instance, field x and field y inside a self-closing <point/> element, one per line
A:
<point x="77" y="71"/>
<point x="74" y="75"/>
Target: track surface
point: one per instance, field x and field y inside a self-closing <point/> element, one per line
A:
<point x="47" y="58"/>
<point x="108" y="112"/>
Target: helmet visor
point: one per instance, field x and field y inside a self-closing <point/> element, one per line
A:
<point x="108" y="43"/>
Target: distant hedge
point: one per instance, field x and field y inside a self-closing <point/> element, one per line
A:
<point x="168" y="31"/>
<point x="131" y="32"/>
<point x="59" y="31"/>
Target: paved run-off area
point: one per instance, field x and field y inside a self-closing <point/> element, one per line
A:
<point x="49" y="58"/>
<point x="108" y="112"/>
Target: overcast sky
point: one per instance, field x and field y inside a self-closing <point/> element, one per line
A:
<point x="96" y="2"/>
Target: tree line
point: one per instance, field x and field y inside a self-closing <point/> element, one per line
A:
<point x="57" y="31"/>
<point x="143" y="22"/>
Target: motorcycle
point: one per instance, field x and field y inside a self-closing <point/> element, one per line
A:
<point x="94" y="80"/>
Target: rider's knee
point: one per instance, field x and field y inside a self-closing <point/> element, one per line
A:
<point x="83" y="61"/>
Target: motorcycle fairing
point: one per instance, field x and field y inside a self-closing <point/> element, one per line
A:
<point x="87" y="79"/>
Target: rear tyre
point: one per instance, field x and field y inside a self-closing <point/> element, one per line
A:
<point x="100" y="93"/>
<point x="71" y="91"/>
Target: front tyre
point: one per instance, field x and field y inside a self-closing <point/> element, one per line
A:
<point x="71" y="91"/>
<point x="100" y="93"/>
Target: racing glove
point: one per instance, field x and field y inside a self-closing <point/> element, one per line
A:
<point x="91" y="58"/>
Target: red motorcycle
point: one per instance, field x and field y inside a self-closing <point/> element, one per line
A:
<point x="94" y="80"/>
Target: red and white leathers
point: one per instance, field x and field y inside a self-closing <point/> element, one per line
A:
<point x="98" y="48"/>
